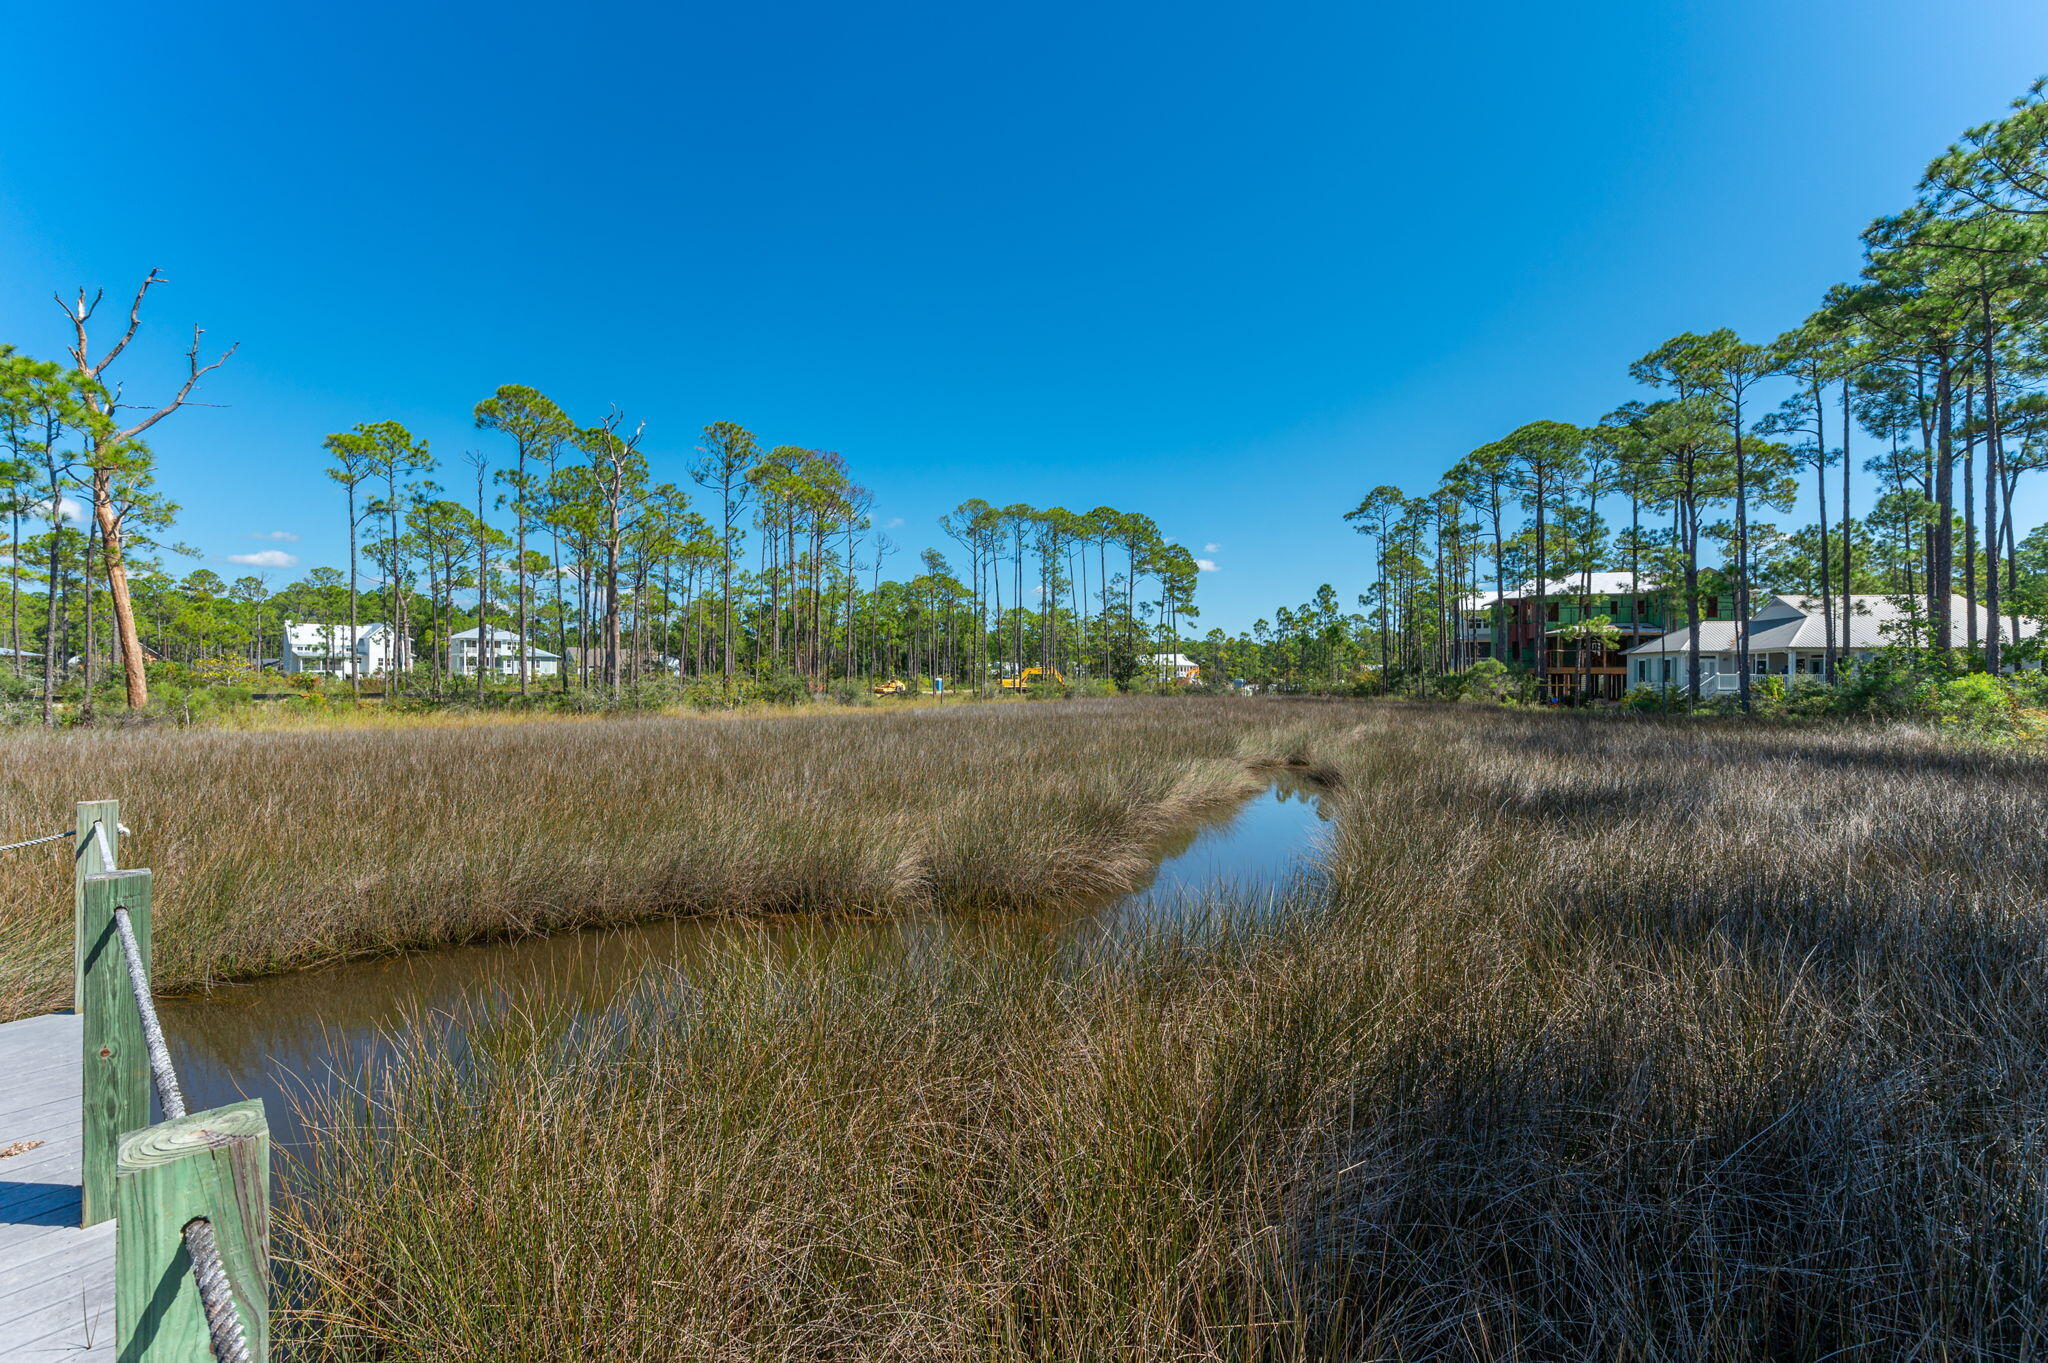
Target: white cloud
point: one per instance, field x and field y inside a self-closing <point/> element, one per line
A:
<point x="284" y="536"/>
<point x="265" y="558"/>
<point x="894" y="521"/>
<point x="71" y="510"/>
<point x="1207" y="565"/>
<point x="1211" y="548"/>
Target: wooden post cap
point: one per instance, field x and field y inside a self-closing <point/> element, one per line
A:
<point x="168" y="1142"/>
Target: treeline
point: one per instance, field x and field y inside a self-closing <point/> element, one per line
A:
<point x="773" y="566"/>
<point x="748" y="565"/>
<point x="1913" y="391"/>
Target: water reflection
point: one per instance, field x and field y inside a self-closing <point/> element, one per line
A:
<point x="277" y="1039"/>
<point x="1249" y="860"/>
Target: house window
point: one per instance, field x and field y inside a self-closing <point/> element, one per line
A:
<point x="1712" y="610"/>
<point x="1551" y="612"/>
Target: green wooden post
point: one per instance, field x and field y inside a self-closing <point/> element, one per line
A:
<point x="86" y="861"/>
<point x="116" y="1090"/>
<point x="213" y="1164"/>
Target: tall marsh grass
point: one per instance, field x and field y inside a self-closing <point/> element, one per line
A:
<point x="1599" y="1039"/>
<point x="280" y="850"/>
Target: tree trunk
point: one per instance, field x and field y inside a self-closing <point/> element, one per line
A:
<point x="355" y="684"/>
<point x="127" y="638"/>
<point x="1542" y="601"/>
<point x="1970" y="517"/>
<point x="1941" y="559"/>
<point x="50" y="616"/>
<point x="1994" y="459"/>
<point x="14" y="584"/>
<point x="1820" y="479"/>
<point x="519" y="567"/>
<point x="1742" y="662"/>
<point x="611" y="601"/>
<point x="1848" y="526"/>
<point x="480" y="654"/>
<point x="1688" y="512"/>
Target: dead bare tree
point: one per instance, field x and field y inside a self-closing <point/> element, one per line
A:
<point x="111" y="453"/>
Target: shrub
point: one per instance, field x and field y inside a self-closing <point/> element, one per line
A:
<point x="1490" y="679"/>
<point x="1977" y="702"/>
<point x="1809" y="697"/>
<point x="1888" y="684"/>
<point x="709" y="695"/>
<point x="223" y="670"/>
<point x="778" y="688"/>
<point x="1653" y="700"/>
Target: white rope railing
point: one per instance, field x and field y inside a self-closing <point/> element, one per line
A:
<point x="32" y="842"/>
<point x="59" y="837"/>
<point x="167" y="1090"/>
<point x="216" y="1297"/>
<point x="209" y="1271"/>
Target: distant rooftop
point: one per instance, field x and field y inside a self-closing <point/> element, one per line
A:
<point x="1796" y="622"/>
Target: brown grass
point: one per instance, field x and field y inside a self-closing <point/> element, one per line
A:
<point x="1610" y="1040"/>
<point x="278" y="850"/>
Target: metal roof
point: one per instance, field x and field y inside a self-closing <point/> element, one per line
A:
<point x="1794" y="623"/>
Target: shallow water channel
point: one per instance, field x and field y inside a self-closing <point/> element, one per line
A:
<point x="277" y="1039"/>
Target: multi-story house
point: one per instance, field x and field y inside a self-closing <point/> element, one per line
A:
<point x="1507" y="627"/>
<point x="343" y="650"/>
<point x="500" y="655"/>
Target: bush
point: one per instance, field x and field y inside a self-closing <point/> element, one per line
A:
<point x="1490" y="679"/>
<point x="219" y="670"/>
<point x="1809" y="697"/>
<point x="777" y="688"/>
<point x="1976" y="702"/>
<point x="1653" y="700"/>
<point x="709" y="695"/>
<point x="849" y="692"/>
<point x="1888" y="684"/>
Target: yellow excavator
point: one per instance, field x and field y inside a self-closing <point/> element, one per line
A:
<point x="890" y="688"/>
<point x="1034" y="676"/>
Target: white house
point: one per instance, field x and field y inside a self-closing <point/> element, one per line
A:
<point x="1173" y="667"/>
<point x="501" y="655"/>
<point x="1788" y="638"/>
<point x="342" y="650"/>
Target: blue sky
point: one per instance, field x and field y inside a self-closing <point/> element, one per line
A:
<point x="1228" y="265"/>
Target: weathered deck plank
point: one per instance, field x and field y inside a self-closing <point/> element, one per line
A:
<point x="56" y="1281"/>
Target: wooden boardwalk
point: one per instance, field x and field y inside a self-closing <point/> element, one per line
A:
<point x="56" y="1281"/>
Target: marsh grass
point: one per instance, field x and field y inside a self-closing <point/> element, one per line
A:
<point x="1615" y="1040"/>
<point x="279" y="850"/>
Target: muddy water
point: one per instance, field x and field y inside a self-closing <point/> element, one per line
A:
<point x="278" y="1039"/>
